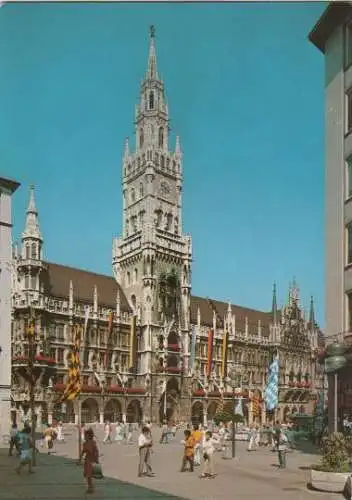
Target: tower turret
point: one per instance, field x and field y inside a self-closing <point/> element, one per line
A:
<point x="31" y="265"/>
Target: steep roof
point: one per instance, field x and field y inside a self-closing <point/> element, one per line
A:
<point x="241" y="313"/>
<point x="58" y="284"/>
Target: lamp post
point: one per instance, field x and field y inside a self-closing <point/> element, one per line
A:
<point x="234" y="376"/>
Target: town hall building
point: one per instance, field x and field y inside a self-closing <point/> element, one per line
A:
<point x="150" y="349"/>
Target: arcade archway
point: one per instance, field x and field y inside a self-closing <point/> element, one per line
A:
<point x="169" y="409"/>
<point x="89" y="411"/>
<point x="113" y="411"/>
<point x="134" y="412"/>
<point x="212" y="407"/>
<point x="197" y="413"/>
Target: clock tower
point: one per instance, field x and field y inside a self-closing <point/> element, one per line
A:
<point x="152" y="258"/>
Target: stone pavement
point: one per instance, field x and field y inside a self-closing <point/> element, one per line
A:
<point x="254" y="475"/>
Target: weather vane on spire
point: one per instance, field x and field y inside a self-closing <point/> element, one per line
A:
<point x="152" y="31"/>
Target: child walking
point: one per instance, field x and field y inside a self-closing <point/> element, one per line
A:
<point x="91" y="457"/>
<point x="188" y="455"/>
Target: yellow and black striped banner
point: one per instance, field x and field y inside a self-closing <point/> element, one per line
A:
<point x="73" y="387"/>
<point x="224" y="353"/>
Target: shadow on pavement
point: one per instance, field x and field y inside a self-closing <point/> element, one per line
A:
<point x="59" y="478"/>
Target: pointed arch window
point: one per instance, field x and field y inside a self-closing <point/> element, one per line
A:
<point x="27" y="252"/>
<point x="133" y="195"/>
<point x="33" y="282"/>
<point x="141" y="190"/>
<point x="151" y="100"/>
<point x="128" y="278"/>
<point x="141" y="138"/>
<point x="34" y="251"/>
<point x="161" y="137"/>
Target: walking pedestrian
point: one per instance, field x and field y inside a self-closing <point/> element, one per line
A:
<point x="188" y="455"/>
<point x="197" y="435"/>
<point x="60" y="433"/>
<point x="27" y="446"/>
<point x="164" y="433"/>
<point x="282" y="449"/>
<point x="145" y="444"/>
<point x="129" y="434"/>
<point x="252" y="437"/>
<point x="208" y="455"/>
<point x="14" y="440"/>
<point x="107" y="433"/>
<point x="118" y="432"/>
<point x="91" y="457"/>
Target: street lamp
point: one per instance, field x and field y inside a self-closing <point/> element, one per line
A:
<point x="234" y="378"/>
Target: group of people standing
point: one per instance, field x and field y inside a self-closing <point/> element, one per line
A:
<point x="199" y="443"/>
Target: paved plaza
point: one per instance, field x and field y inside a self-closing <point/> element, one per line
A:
<point x="252" y="476"/>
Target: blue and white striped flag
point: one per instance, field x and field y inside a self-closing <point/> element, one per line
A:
<point x="193" y="347"/>
<point x="272" y="387"/>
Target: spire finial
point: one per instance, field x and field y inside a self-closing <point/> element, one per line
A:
<point x="152" y="72"/>
<point x="152" y="31"/>
<point x="311" y="312"/>
<point x="32" y="224"/>
<point x="274" y="305"/>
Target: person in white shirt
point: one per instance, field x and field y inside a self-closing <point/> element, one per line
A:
<point x="107" y="433"/>
<point x="145" y="444"/>
<point x="209" y="444"/>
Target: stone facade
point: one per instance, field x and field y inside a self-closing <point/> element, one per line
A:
<point x="7" y="188"/>
<point x="146" y="339"/>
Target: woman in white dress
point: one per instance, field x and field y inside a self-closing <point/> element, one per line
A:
<point x="118" y="432"/>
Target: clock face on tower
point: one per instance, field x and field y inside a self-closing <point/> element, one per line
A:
<point x="164" y="188"/>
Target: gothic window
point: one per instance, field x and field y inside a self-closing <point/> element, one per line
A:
<point x="168" y="222"/>
<point x="141" y="189"/>
<point x="26" y="281"/>
<point x="141" y="218"/>
<point x="174" y="165"/>
<point x="162" y="161"/>
<point x="128" y="278"/>
<point x="158" y="217"/>
<point x="151" y="100"/>
<point x="34" y="251"/>
<point x="156" y="158"/>
<point x="141" y="138"/>
<point x="27" y="253"/>
<point x="161" y="137"/>
<point x="133" y="195"/>
<point x="133" y="302"/>
<point x="135" y="275"/>
<point x="176" y="225"/>
<point x="134" y="224"/>
<point x="127" y="227"/>
<point x="33" y="282"/>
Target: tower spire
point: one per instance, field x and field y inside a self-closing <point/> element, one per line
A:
<point x="311" y="313"/>
<point x="152" y="71"/>
<point x="274" y="305"/>
<point x="32" y="229"/>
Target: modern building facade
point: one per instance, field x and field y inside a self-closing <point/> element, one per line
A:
<point x="7" y="188"/>
<point x="151" y="349"/>
<point x="332" y="35"/>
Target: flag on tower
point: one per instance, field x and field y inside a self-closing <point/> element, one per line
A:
<point x="272" y="387"/>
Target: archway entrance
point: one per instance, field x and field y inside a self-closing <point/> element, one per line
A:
<point x="90" y="411"/>
<point x="64" y="412"/>
<point x="134" y="412"/>
<point x="112" y="411"/>
<point x="212" y="410"/>
<point x="197" y="413"/>
<point x="169" y="409"/>
<point x="286" y="413"/>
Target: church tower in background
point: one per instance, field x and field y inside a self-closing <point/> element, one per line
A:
<point x="152" y="258"/>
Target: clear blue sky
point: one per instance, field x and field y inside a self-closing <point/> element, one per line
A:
<point x="246" y="95"/>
